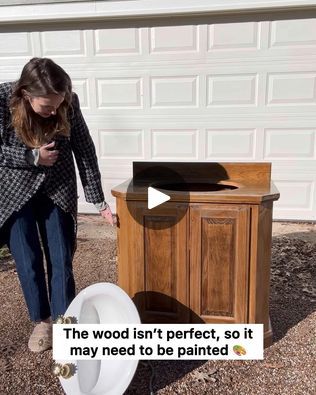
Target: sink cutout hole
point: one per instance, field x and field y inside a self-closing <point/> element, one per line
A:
<point x="195" y="187"/>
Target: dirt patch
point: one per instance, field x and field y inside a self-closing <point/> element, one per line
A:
<point x="289" y="364"/>
<point x="303" y="231"/>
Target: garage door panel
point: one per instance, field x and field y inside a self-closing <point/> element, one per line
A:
<point x="231" y="144"/>
<point x="296" y="88"/>
<point x="174" y="91"/>
<point x="15" y="44"/>
<point x="290" y="34"/>
<point x="232" y="90"/>
<point x="296" y="194"/>
<point x="233" y="36"/>
<point x="63" y="43"/>
<point x="286" y="143"/>
<point x="121" y="144"/>
<point x="119" y="93"/>
<point x="296" y="181"/>
<point x="166" y="39"/>
<point x="124" y="42"/>
<point x="298" y="200"/>
<point x="174" y="144"/>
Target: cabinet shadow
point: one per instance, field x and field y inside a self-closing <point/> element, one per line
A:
<point x="156" y="307"/>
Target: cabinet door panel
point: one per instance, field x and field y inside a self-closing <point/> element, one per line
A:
<point x="219" y="245"/>
<point x="162" y="263"/>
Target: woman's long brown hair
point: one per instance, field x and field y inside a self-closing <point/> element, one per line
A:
<point x="40" y="77"/>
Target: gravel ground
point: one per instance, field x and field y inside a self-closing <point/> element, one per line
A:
<point x="289" y="366"/>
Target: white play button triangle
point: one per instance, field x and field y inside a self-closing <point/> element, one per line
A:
<point x="156" y="197"/>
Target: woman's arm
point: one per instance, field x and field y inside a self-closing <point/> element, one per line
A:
<point x="87" y="162"/>
<point x="84" y="151"/>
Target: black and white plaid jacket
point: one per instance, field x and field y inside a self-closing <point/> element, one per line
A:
<point x="20" y="180"/>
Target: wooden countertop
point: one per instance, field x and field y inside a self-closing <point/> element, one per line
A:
<point x="243" y="194"/>
<point x="251" y="179"/>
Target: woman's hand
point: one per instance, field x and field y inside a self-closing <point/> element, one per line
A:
<point x="47" y="155"/>
<point x="107" y="215"/>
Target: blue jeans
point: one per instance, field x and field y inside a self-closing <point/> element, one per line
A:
<point x="40" y="217"/>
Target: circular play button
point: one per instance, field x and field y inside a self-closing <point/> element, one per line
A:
<point x="153" y="197"/>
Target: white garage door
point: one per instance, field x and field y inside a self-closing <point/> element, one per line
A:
<point x="211" y="89"/>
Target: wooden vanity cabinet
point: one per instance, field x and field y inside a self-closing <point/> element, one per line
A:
<point x="203" y="260"/>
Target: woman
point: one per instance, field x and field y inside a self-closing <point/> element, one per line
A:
<point x="41" y="125"/>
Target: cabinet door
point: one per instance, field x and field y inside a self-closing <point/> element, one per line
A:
<point x="160" y="259"/>
<point x="219" y="255"/>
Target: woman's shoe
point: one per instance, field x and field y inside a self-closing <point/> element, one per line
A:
<point x="41" y="337"/>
